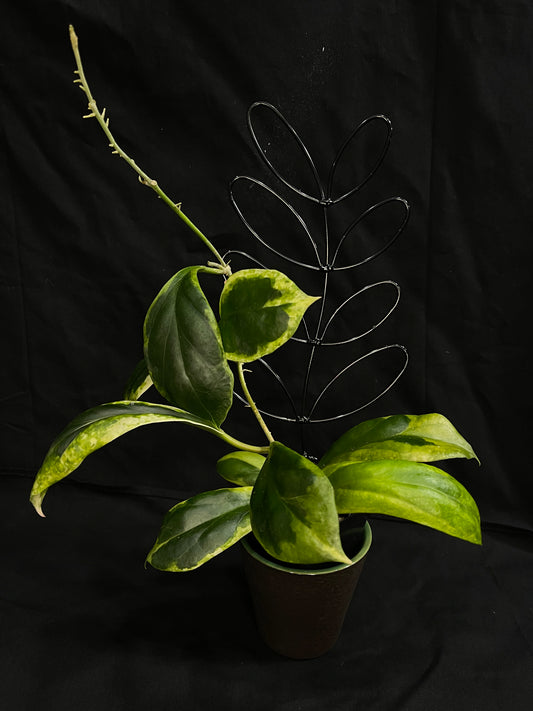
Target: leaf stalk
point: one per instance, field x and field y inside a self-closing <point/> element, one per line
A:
<point x="252" y="404"/>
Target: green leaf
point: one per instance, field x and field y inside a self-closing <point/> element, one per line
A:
<point x="409" y="490"/>
<point x="139" y="382"/>
<point x="196" y="530"/>
<point x="240" y="467"/>
<point x="419" y="438"/>
<point x="183" y="349"/>
<point x="293" y="510"/>
<point x="96" y="427"/>
<point x="260" y="309"/>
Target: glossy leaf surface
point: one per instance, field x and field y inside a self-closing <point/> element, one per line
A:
<point x="420" y="438"/>
<point x="240" y="467"/>
<point x="293" y="510"/>
<point x="196" y="530"/>
<point x="183" y="349"/>
<point x="410" y="490"/>
<point x="260" y="309"/>
<point x="97" y="427"/>
<point x="139" y="382"/>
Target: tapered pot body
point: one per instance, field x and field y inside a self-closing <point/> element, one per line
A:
<point x="300" y="612"/>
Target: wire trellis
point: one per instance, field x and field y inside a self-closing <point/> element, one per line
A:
<point x="325" y="261"/>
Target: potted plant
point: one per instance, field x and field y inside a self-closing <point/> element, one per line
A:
<point x="287" y="505"/>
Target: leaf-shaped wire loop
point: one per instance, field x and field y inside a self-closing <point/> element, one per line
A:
<point x="298" y="140"/>
<point x="364" y="215"/>
<point x="342" y="150"/>
<point x="290" y="400"/>
<point x="350" y="365"/>
<point x="347" y="301"/>
<point x="285" y="204"/>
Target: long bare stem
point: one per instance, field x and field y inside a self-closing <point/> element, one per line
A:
<point x="94" y="112"/>
<point x="252" y="403"/>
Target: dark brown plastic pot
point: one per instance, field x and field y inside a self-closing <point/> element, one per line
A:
<point x="300" y="611"/>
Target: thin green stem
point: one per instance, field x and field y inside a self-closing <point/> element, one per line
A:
<point x="242" y="445"/>
<point x="215" y="269"/>
<point x="94" y="112"/>
<point x="252" y="404"/>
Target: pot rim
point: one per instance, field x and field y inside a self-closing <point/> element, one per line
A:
<point x="285" y="568"/>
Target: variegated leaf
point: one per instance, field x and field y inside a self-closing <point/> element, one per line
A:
<point x="420" y="438"/>
<point x="139" y="382"/>
<point x="196" y="530"/>
<point x="97" y="427"/>
<point x="240" y="467"/>
<point x="293" y="510"/>
<point x="410" y="490"/>
<point x="260" y="309"/>
<point x="183" y="349"/>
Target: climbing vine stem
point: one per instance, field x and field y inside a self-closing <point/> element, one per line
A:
<point x="100" y="116"/>
<point x="252" y="403"/>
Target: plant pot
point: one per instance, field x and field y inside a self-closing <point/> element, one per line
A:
<point x="300" y="610"/>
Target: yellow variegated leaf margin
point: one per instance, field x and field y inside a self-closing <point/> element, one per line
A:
<point x="410" y="490"/>
<point x="420" y="438"/>
<point x="196" y="530"/>
<point x="98" y="426"/>
<point x="240" y="467"/>
<point x="260" y="309"/>
<point x="139" y="382"/>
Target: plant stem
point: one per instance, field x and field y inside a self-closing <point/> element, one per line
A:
<point x="145" y="179"/>
<point x="242" y="445"/>
<point x="252" y="403"/>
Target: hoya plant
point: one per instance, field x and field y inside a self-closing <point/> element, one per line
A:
<point x="290" y="503"/>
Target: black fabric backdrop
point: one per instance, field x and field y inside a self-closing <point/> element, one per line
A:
<point x="436" y="623"/>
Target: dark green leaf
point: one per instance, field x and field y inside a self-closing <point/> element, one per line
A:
<point x="139" y="382"/>
<point x="260" y="309"/>
<point x="420" y="438"/>
<point x="409" y="490"/>
<point x="96" y="427"/>
<point x="293" y="510"/>
<point x="196" y="530"/>
<point x="240" y="467"/>
<point x="183" y="349"/>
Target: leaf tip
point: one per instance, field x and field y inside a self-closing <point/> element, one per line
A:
<point x="36" y="500"/>
<point x="478" y="539"/>
<point x="345" y="559"/>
